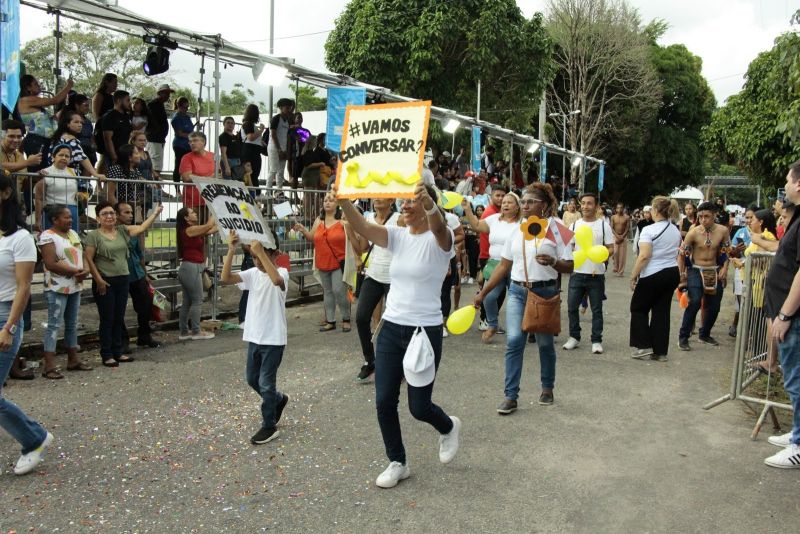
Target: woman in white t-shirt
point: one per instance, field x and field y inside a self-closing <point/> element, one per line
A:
<point x="500" y="227"/>
<point x="421" y="253"/>
<point x="546" y="258"/>
<point x="64" y="273"/>
<point x="59" y="186"/>
<point x="653" y="281"/>
<point x="375" y="286"/>
<point x="17" y="258"/>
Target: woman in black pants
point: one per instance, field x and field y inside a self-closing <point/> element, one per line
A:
<point x="251" y="133"/>
<point x="653" y="281"/>
<point x="375" y="286"/>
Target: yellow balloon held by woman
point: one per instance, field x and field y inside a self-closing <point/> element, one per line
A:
<point x="598" y="253"/>
<point x="460" y="320"/>
<point x="583" y="237"/>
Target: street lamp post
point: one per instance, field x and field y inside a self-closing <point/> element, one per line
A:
<point x="564" y="117"/>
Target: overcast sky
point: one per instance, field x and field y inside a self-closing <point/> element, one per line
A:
<point x="726" y="34"/>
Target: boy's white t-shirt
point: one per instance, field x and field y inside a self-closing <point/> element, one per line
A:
<point x="265" y="322"/>
<point x="418" y="268"/>
<point x="600" y="227"/>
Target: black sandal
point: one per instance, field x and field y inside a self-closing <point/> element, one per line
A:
<point x="346" y="328"/>
<point x="111" y="362"/>
<point x="52" y="374"/>
<point x="125" y="359"/>
<point x="80" y="366"/>
<point x="328" y="327"/>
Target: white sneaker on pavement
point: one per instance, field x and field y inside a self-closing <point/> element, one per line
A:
<point x="639" y="354"/>
<point x="597" y="348"/>
<point x="392" y="475"/>
<point x="448" y="443"/>
<point x="203" y="334"/>
<point x="483" y="326"/>
<point x="787" y="458"/>
<point x="28" y="462"/>
<point x="445" y="333"/>
<point x="784" y="440"/>
<point x="571" y="343"/>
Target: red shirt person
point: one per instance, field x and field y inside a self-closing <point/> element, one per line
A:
<point x="198" y="162"/>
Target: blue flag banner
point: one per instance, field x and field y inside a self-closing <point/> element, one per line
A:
<point x="338" y="100"/>
<point x="476" y="149"/>
<point x="9" y="52"/>
<point x="601" y="178"/>
<point x="543" y="165"/>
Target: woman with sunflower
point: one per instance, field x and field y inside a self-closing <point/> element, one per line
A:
<point x="500" y="227"/>
<point x="547" y="255"/>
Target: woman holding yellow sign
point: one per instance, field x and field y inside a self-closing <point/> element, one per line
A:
<point x="421" y="252"/>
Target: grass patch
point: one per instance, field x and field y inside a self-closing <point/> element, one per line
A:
<point x="161" y="238"/>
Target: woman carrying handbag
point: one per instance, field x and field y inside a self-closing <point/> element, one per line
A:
<point x="534" y="265"/>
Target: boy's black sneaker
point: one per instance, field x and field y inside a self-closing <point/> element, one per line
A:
<point x="279" y="408"/>
<point x="366" y="371"/>
<point x="708" y="340"/>
<point x="265" y="435"/>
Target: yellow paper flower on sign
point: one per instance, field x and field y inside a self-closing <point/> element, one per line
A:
<point x="533" y="228"/>
<point x="245" y="209"/>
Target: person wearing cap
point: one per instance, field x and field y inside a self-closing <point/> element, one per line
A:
<point x="277" y="149"/>
<point x="158" y="126"/>
<point x="421" y="252"/>
<point x="646" y="220"/>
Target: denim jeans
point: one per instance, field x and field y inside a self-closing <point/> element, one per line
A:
<point x="369" y="298"/>
<point x="261" y="375"/>
<point x="493" y="301"/>
<point x="22" y="428"/>
<point x="516" y="338"/>
<point x="389" y="351"/>
<point x="789" y="354"/>
<point x="579" y="285"/>
<point x="710" y="303"/>
<point x="61" y="310"/>
<point x="111" y="309"/>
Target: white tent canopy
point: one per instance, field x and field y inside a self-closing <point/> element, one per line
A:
<point x="112" y="17"/>
<point x="689" y="193"/>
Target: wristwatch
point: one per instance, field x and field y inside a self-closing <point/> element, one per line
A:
<point x="12" y="329"/>
<point x="783" y="317"/>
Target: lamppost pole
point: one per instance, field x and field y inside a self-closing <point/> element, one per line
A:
<point x="564" y="117"/>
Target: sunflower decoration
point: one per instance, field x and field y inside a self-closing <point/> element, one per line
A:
<point x="534" y="228"/>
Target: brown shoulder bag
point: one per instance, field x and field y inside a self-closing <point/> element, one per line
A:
<point x="542" y="315"/>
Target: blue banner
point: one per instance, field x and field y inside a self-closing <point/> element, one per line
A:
<point x="338" y="100"/>
<point x="9" y="52"/>
<point x="543" y="165"/>
<point x="476" y="149"/>
<point x="601" y="178"/>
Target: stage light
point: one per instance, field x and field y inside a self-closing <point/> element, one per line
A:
<point x="268" y="74"/>
<point x="576" y="161"/>
<point x="533" y="148"/>
<point x="157" y="61"/>
<point x="451" y="126"/>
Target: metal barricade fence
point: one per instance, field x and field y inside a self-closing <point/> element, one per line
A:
<point x="82" y="195"/>
<point x="750" y="383"/>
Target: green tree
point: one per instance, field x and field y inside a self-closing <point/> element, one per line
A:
<point x="789" y="118"/>
<point x="307" y="99"/>
<point x="746" y="131"/>
<point x="669" y="152"/>
<point x="436" y="50"/>
<point x="603" y="70"/>
<point x="88" y="52"/>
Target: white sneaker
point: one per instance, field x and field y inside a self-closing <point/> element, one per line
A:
<point x="639" y="354"/>
<point x="783" y="441"/>
<point x="597" y="348"/>
<point x="448" y="443"/>
<point x="202" y="334"/>
<point x="571" y="343"/>
<point x="28" y="462"/>
<point x="184" y="337"/>
<point x="445" y="333"/>
<point x="787" y="458"/>
<point x="471" y="281"/>
<point x="392" y="475"/>
<point x="483" y="326"/>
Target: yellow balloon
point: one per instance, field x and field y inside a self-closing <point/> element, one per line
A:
<point x="451" y="200"/>
<point x="579" y="257"/>
<point x="583" y="237"/>
<point x="460" y="320"/>
<point x="598" y="253"/>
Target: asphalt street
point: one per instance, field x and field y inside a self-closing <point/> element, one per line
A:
<point x="162" y="444"/>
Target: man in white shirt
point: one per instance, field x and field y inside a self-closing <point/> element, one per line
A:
<point x="589" y="279"/>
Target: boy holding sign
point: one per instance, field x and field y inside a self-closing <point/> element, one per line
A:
<point x="266" y="338"/>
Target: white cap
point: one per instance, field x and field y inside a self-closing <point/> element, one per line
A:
<point x="446" y="154"/>
<point x="418" y="363"/>
<point x="648" y="208"/>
